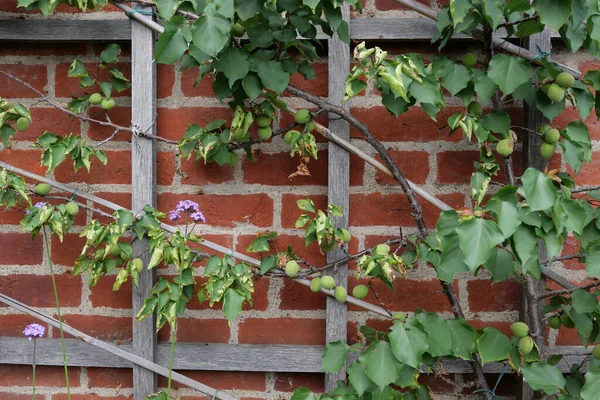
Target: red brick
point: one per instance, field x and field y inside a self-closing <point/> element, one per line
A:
<point x="71" y="87"/>
<point x="274" y="169"/>
<point x="224" y="380"/>
<point x="311" y="254"/>
<point x="223" y="240"/>
<point x="226" y="210"/>
<point x="413" y="164"/>
<point x="165" y="168"/>
<point x="485" y="296"/>
<point x="118" y="115"/>
<point x="408" y="295"/>
<point x="12" y="216"/>
<point x="165" y="79"/>
<point x="290" y="381"/>
<point x="102" y="295"/>
<point x="374" y="240"/>
<point x="20" y="375"/>
<point x="202" y="89"/>
<point x="387" y="5"/>
<point x="172" y="123"/>
<point x="394" y="209"/>
<point x="25" y="159"/>
<point x="23" y="249"/>
<point x="68" y="251"/>
<point x="14" y="396"/>
<point x="41" y="49"/>
<point x="570" y="114"/>
<point x="36" y="290"/>
<point x="34" y="75"/>
<point x="588" y="175"/>
<point x="282" y="331"/>
<point x="414" y="125"/>
<point x="110" y="377"/>
<point x="197" y="173"/>
<point x="116" y="171"/>
<point x="199" y="330"/>
<point x="290" y="211"/>
<point x="122" y="199"/>
<point x="14" y="324"/>
<point x="49" y="119"/>
<point x="317" y="86"/>
<point x="100" y="327"/>
<point x="568" y="337"/>
<point x="571" y="246"/>
<point x="295" y="296"/>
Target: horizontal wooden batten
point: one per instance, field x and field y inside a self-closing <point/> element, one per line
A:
<point x="219" y="357"/>
<point x="56" y="30"/>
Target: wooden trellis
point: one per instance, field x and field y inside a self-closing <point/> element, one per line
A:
<point x="225" y="357"/>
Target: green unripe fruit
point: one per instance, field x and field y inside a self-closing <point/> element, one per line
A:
<point x="565" y="79"/>
<point x="505" y="147"/>
<point x="310" y="126"/>
<point x="96" y="98"/>
<point x="552" y="136"/>
<point x="469" y="60"/>
<point x="382" y="249"/>
<point x="525" y="345"/>
<point x="360" y="291"/>
<point x="554" y="322"/>
<point x="237" y="30"/>
<point x="263" y="121"/>
<point x="72" y="208"/>
<point x="315" y="285"/>
<point x="233" y="158"/>
<point x="341" y="294"/>
<point x="42" y="189"/>
<point x="292" y="268"/>
<point x="400" y="316"/>
<point x="519" y="329"/>
<point x="567" y="321"/>
<point x="555" y="93"/>
<point x="302" y="117"/>
<point x="327" y="282"/>
<point x="265" y="133"/>
<point x="137" y="264"/>
<point x="596" y="352"/>
<point x="22" y="124"/>
<point x="475" y="108"/>
<point x="107" y="104"/>
<point x="544" y="128"/>
<point x="547" y="150"/>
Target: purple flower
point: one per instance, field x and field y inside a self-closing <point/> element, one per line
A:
<point x="174" y="215"/>
<point x="187" y="205"/>
<point x="34" y="330"/>
<point x="39" y="204"/>
<point x="198" y="217"/>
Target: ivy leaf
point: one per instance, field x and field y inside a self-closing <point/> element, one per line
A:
<point x="273" y="76"/>
<point x="541" y="376"/>
<point x="455" y="77"/>
<point x="583" y="301"/>
<point x="334" y="356"/>
<point x="590" y="389"/>
<point x="493" y="345"/>
<point x="233" y="63"/>
<point x="210" y="33"/>
<point x="408" y="344"/>
<point x="358" y="378"/>
<point x="508" y="72"/>
<point x="477" y="237"/>
<point x="538" y="189"/>
<point x="232" y="304"/>
<point x="171" y="44"/>
<point x="553" y="13"/>
<point x="381" y="365"/>
<point x="463" y="338"/>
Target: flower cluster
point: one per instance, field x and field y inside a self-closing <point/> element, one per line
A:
<point x="39" y="204"/>
<point x="34" y="330"/>
<point x="189" y="207"/>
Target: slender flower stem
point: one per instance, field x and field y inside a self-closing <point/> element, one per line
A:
<point x="33" y="373"/>
<point x="173" y="336"/>
<point x="62" y="334"/>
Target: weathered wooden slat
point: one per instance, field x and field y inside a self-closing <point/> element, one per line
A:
<point x="143" y="192"/>
<point x="338" y="189"/>
<point x="219" y="357"/>
<point x="408" y="29"/>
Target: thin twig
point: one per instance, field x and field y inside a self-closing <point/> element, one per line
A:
<point x="507" y="24"/>
<point x="585" y="188"/>
<point x="568" y="291"/>
<point x="378" y="299"/>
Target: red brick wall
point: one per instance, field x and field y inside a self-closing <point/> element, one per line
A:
<point x="238" y="202"/>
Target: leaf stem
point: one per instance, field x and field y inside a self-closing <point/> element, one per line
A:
<point x="173" y="336"/>
<point x="33" y="372"/>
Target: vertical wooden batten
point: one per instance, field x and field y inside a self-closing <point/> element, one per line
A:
<point x="338" y="185"/>
<point x="143" y="192"/>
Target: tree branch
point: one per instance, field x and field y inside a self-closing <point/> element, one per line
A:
<point x="568" y="291"/>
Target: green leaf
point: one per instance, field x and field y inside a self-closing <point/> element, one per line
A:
<point x="493" y="345"/>
<point x="358" y="378"/>
<point x="592" y="260"/>
<point x="494" y="12"/>
<point x="233" y="63"/>
<point x="7" y="133"/>
<point x="583" y="301"/>
<point x="440" y="343"/>
<point x="576" y="215"/>
<point x="334" y="356"/>
<point x="232" y="304"/>
<point x="304" y="394"/>
<point x="455" y="77"/>
<point x="166" y="8"/>
<point x="477" y="237"/>
<point x="463" y="338"/>
<point x="543" y="377"/>
<point x="484" y="87"/>
<point x="252" y="85"/>
<point x="408" y="344"/>
<point x="381" y="365"/>
<point x="553" y="13"/>
<point x="539" y="191"/>
<point x="247" y="9"/>
<point x="507" y="216"/>
<point x="110" y="53"/>
<point x="210" y="33"/>
<point x="496" y="121"/>
<point x="273" y="76"/>
<point x="459" y="10"/>
<point x="591" y="388"/>
<point x="584" y="101"/>
<point x="500" y="264"/>
<point x="451" y="259"/>
<point x="171" y="44"/>
<point x="508" y="72"/>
